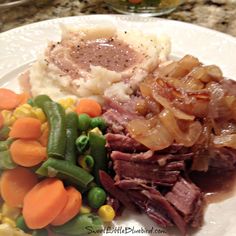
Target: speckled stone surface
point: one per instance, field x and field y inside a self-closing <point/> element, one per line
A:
<point x="215" y="14"/>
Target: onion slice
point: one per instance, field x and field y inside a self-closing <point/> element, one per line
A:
<point x="188" y="138"/>
<point x="151" y="133"/>
<point x="177" y="113"/>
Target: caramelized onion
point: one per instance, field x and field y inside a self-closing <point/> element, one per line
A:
<point x="151" y="133"/>
<point x="166" y="104"/>
<point x="188" y="138"/>
<point x="225" y="141"/>
<point x="184" y="66"/>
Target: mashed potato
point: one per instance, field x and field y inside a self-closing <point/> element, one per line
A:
<point x="93" y="62"/>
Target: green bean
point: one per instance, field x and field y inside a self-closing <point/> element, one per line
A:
<point x="4" y="145"/>
<point x="98" y="122"/>
<point x="6" y="160"/>
<point x="84" y="122"/>
<point x="96" y="197"/>
<point x="20" y="223"/>
<point x="84" y="224"/>
<point x="82" y="143"/>
<point x="40" y="232"/>
<point x="4" y="132"/>
<point x="57" y="135"/>
<point x="56" y="117"/>
<point x="40" y="100"/>
<point x="71" y="135"/>
<point x="99" y="154"/>
<point x="65" y="169"/>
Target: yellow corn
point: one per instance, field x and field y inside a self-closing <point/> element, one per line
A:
<point x="24" y="110"/>
<point x="107" y="213"/>
<point x="67" y="103"/>
<point x="8" y="221"/>
<point x="10" y="212"/>
<point x="85" y="210"/>
<point x="39" y="114"/>
<point x="8" y="117"/>
<point x="96" y="131"/>
<point x="1" y="217"/>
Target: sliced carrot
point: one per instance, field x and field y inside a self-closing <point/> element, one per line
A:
<point x="44" y="202"/>
<point x="1" y="121"/>
<point x="27" y="153"/>
<point x="15" y="184"/>
<point x="8" y="99"/>
<point x="43" y="139"/>
<point x="89" y="106"/>
<point x="27" y="128"/>
<point x="24" y="97"/>
<point x="71" y="209"/>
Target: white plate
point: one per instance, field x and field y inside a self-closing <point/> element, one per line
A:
<point x="20" y="46"/>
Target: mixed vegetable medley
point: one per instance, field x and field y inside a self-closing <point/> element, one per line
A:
<point x="50" y="157"/>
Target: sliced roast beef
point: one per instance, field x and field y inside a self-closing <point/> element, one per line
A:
<point x="149" y="157"/>
<point x="152" y="173"/>
<point x="135" y="157"/>
<point x="109" y="185"/>
<point x="117" y="115"/>
<point x="188" y="200"/>
<point x="123" y="143"/>
<point x="158" y="199"/>
<point x="156" y="212"/>
<point x="134" y="184"/>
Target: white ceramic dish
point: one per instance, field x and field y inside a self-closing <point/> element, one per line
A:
<point x="19" y="47"/>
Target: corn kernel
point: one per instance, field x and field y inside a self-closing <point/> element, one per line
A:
<point x="8" y="117"/>
<point x="85" y="210"/>
<point x="10" y="212"/>
<point x="24" y="110"/>
<point x="39" y="114"/>
<point x="96" y="131"/>
<point x="107" y="213"/>
<point x="44" y="126"/>
<point x="8" y="221"/>
<point x="67" y="102"/>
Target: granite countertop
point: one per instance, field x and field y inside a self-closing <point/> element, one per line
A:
<point x="215" y="14"/>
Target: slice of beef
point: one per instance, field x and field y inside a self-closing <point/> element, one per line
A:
<point x="154" y="211"/>
<point x="149" y="157"/>
<point x="109" y="185"/>
<point x="115" y="122"/>
<point x="158" y="199"/>
<point x="117" y="115"/>
<point x="153" y="173"/>
<point x="123" y="143"/>
<point x="134" y="184"/>
<point x="134" y="157"/>
<point x="187" y="198"/>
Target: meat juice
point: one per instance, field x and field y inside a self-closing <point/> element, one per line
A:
<point x="217" y="186"/>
